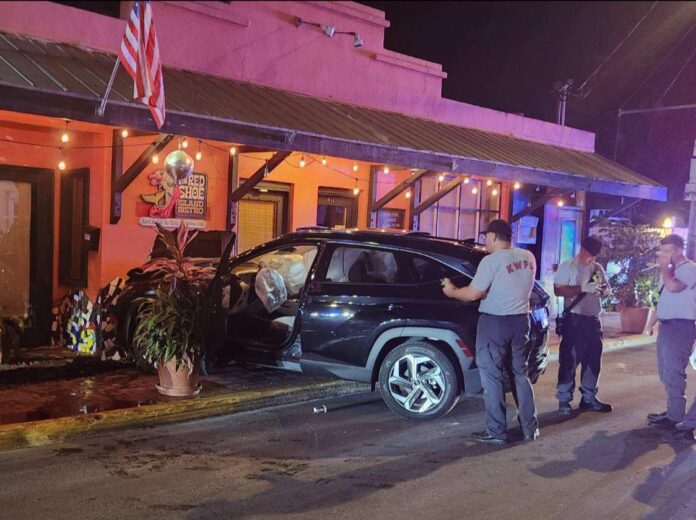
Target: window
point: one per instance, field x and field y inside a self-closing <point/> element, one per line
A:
<point x="429" y="274"/>
<point x="364" y="265"/>
<point x="293" y="263"/>
<point x="337" y="209"/>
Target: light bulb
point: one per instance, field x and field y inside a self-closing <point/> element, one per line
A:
<point x="386" y="170"/>
<point x="356" y="191"/>
<point x="65" y="137"/>
<point x="474" y="190"/>
<point x="302" y="162"/>
<point x="355" y="167"/>
<point x="323" y="161"/>
<point x="408" y="194"/>
<point x="124" y="133"/>
<point x="199" y="155"/>
<point x="441" y="178"/>
<point x="494" y="192"/>
<point x="233" y="150"/>
<point x="489" y="182"/>
<point x="61" y="165"/>
<point x="560" y="203"/>
<point x="155" y="159"/>
<point x="516" y="186"/>
<point x="466" y="180"/>
<point x="184" y="144"/>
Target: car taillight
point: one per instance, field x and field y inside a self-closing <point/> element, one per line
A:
<point x="465" y="348"/>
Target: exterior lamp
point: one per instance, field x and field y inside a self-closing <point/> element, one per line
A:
<point x="386" y="170"/>
<point x="516" y="186"/>
<point x="355" y="167"/>
<point x="668" y="223"/>
<point x="124" y="133"/>
<point x="302" y="162"/>
<point x="155" y="159"/>
<point x="233" y="150"/>
<point x="489" y="183"/>
<point x="560" y="203"/>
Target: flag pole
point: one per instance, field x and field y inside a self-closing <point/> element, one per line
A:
<point x="102" y="106"/>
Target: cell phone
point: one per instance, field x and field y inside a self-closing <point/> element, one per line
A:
<point x="443" y="281"/>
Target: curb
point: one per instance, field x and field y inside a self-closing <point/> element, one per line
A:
<point x="41" y="433"/>
<point x="610" y="345"/>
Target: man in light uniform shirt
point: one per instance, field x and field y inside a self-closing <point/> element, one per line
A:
<point x="583" y="280"/>
<point x="503" y="282"/>
<point x="676" y="312"/>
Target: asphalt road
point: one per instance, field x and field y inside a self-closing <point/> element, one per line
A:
<point x="358" y="461"/>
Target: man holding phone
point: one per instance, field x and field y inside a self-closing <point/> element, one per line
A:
<point x="582" y="283"/>
<point x="676" y="312"/>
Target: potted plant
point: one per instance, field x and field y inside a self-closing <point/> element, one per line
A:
<point x="169" y="329"/>
<point x="631" y="248"/>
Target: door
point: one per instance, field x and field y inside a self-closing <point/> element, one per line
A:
<point x="337" y="209"/>
<point x="73" y="248"/>
<point x="26" y="249"/>
<point x="263" y="216"/>
<point x="356" y="294"/>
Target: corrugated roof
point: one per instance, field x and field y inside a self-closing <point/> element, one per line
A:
<point x="78" y="73"/>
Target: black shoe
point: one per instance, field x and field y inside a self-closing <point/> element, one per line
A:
<point x="665" y="422"/>
<point x="487" y="438"/>
<point x="564" y="408"/>
<point x="596" y="406"/>
<point x="529" y="437"/>
<point x="683" y="435"/>
<point x="653" y="417"/>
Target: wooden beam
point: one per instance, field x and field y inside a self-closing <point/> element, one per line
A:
<point x="399" y="188"/>
<point x="232" y="181"/>
<point x="439" y="194"/>
<point x="141" y="162"/>
<point x="543" y="199"/>
<point x="258" y="176"/>
<point x="116" y="172"/>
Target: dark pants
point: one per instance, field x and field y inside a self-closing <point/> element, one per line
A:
<point x="581" y="344"/>
<point x="499" y="338"/>
<point x="675" y="339"/>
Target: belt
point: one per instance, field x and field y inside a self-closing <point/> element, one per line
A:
<point x="506" y="315"/>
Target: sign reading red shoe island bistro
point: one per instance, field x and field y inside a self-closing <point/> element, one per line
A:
<point x="174" y="201"/>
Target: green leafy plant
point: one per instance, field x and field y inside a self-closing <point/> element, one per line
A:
<point x="632" y="248"/>
<point x="169" y="322"/>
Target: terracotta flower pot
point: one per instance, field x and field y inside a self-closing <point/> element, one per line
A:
<point x="177" y="383"/>
<point x="634" y="319"/>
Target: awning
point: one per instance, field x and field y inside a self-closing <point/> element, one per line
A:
<point x="67" y="81"/>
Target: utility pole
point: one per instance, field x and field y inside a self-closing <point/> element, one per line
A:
<point x="562" y="88"/>
<point x="690" y="195"/>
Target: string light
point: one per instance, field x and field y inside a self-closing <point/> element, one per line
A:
<point x="489" y="183"/>
<point x="302" y="162"/>
<point x="494" y="192"/>
<point x="467" y="180"/>
<point x="560" y="203"/>
<point x="155" y="159"/>
<point x="61" y="162"/>
<point x="408" y="194"/>
<point x="441" y="177"/>
<point x="323" y="161"/>
<point x="184" y="143"/>
<point x="356" y="191"/>
<point x="124" y="133"/>
<point x="516" y="186"/>
<point x="266" y="171"/>
<point x="355" y="167"/>
<point x="474" y="190"/>
<point x="199" y="154"/>
<point x="233" y="150"/>
<point x="65" y="136"/>
<point x="386" y="170"/>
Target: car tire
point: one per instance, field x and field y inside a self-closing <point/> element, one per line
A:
<point x="418" y="397"/>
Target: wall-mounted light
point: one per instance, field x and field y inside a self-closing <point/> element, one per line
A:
<point x="516" y="186"/>
<point x="330" y="31"/>
<point x="233" y="150"/>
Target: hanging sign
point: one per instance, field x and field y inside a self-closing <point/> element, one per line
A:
<point x="175" y="201"/>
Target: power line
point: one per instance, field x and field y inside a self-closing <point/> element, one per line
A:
<point x="581" y="89"/>
<point x="693" y="53"/>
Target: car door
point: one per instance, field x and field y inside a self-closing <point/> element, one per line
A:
<point x="357" y="292"/>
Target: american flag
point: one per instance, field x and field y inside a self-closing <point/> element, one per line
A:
<point x="140" y="56"/>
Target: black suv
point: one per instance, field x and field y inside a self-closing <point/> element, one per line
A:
<point x="364" y="306"/>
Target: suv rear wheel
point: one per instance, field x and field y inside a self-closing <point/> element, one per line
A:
<point x="418" y="381"/>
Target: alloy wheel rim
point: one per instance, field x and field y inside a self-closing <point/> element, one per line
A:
<point x="416" y="382"/>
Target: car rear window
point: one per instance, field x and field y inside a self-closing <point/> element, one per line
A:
<point x="364" y="265"/>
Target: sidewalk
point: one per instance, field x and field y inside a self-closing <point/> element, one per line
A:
<point x="59" y="408"/>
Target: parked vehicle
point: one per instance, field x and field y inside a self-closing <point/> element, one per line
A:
<point x="362" y="305"/>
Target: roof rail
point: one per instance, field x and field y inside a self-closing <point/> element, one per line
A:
<point x="312" y="228"/>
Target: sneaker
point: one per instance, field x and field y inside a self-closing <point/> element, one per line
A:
<point x="683" y="435"/>
<point x="665" y="422"/>
<point x="487" y="438"/>
<point x="596" y="406"/>
<point x="564" y="408"/>
<point x="529" y="437"/>
<point x="653" y="417"/>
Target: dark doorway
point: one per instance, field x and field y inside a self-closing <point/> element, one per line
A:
<point x="337" y="209"/>
<point x="26" y="248"/>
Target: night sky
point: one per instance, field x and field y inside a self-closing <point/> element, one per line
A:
<point x="506" y="56"/>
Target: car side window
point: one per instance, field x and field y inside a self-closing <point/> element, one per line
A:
<point x="429" y="273"/>
<point x="364" y="265"/>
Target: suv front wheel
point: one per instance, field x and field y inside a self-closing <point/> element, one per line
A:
<point x="418" y="381"/>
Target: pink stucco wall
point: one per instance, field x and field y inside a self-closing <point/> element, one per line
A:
<point x="259" y="42"/>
